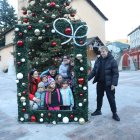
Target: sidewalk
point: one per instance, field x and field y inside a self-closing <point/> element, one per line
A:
<point x="98" y="128"/>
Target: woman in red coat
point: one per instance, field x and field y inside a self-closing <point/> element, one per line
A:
<point x="34" y="79"/>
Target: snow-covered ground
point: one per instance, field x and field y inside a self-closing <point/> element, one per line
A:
<point x="98" y="128"/>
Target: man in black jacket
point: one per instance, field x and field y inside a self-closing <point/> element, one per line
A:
<point x="105" y="73"/>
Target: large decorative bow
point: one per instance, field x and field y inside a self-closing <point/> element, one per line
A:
<point x="73" y="33"/>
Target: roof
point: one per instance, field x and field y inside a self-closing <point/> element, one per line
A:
<point x="96" y="8"/>
<point x="120" y="45"/>
<point x="134" y="30"/>
<point x="95" y="41"/>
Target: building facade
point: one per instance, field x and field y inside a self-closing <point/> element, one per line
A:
<point x="132" y="55"/>
<point x="94" y="18"/>
<point x="6" y="52"/>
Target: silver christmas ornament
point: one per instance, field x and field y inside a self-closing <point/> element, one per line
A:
<point x="16" y="29"/>
<point x="37" y="32"/>
<point x="81" y="69"/>
<point x="53" y="16"/>
<point x="53" y="31"/>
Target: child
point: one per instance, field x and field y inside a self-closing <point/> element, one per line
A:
<point x="44" y="79"/>
<point x="58" y="80"/>
<point x="67" y="96"/>
<point x="40" y="94"/>
<point x="53" y="97"/>
<point x="64" y="68"/>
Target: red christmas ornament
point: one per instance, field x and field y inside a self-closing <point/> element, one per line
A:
<point x="81" y="94"/>
<point x="81" y="42"/>
<point x="72" y="15"/>
<point x="71" y="116"/>
<point x="53" y="44"/>
<point x="24" y="12"/>
<point x="23" y="110"/>
<point x="20" y="43"/>
<point x="20" y="34"/>
<point x="18" y="63"/>
<point x="52" y="4"/>
<point x="33" y="14"/>
<point x="47" y="26"/>
<point x="33" y="118"/>
<point x="49" y="114"/>
<point x="25" y="20"/>
<point x="81" y="81"/>
<point x="29" y="27"/>
<point x="68" y="31"/>
<point x="24" y="92"/>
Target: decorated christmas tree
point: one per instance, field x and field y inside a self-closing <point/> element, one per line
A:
<point x="47" y="50"/>
<point x="48" y="31"/>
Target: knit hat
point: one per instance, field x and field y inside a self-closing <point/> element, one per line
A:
<point x="41" y="84"/>
<point x="50" y="80"/>
<point x="41" y="77"/>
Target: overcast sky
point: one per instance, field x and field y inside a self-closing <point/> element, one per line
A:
<point x="123" y="15"/>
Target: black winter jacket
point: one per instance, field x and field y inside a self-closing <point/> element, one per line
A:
<point x="111" y="71"/>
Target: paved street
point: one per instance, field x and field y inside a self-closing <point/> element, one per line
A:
<point x="98" y="128"/>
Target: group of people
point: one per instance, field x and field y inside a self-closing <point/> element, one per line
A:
<point x="57" y="93"/>
<point x="52" y="89"/>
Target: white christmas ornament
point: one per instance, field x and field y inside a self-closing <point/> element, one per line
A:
<point x="37" y="32"/>
<point x="79" y="56"/>
<point x="26" y="116"/>
<point x="29" y="12"/>
<point x="81" y="61"/>
<point x="65" y="120"/>
<point x="59" y="115"/>
<point x="76" y="119"/>
<point x="53" y="16"/>
<point x="32" y="3"/>
<point x="80" y="85"/>
<point x="21" y="119"/>
<point x="22" y="99"/>
<point x="23" y="60"/>
<point x="17" y="81"/>
<point x="40" y="21"/>
<point x="23" y="84"/>
<point x="19" y="54"/>
<point x="85" y="100"/>
<point x="25" y="31"/>
<point x="40" y="38"/>
<point x="57" y="6"/>
<point x="81" y="69"/>
<point x="41" y="114"/>
<point x="16" y="29"/>
<point x="69" y="1"/>
<point x="53" y="31"/>
<point x="41" y="120"/>
<point x="19" y="22"/>
<point x="54" y="122"/>
<point x="81" y="120"/>
<point x="19" y="76"/>
<point x="24" y="103"/>
<point x="43" y="31"/>
<point x="80" y="104"/>
<point x="48" y="4"/>
<point x="19" y="94"/>
<point x="84" y="88"/>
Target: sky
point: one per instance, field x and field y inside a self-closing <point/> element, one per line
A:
<point x="123" y="15"/>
